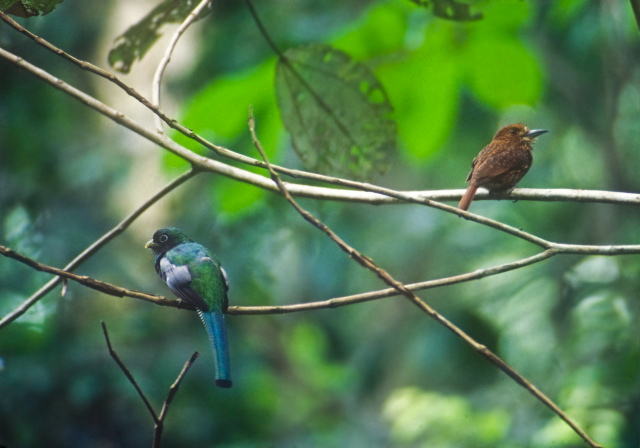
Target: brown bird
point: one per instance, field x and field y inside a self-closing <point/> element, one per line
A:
<point x="503" y="162"/>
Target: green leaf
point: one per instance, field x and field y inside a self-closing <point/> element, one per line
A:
<point x="28" y="8"/>
<point x="138" y="39"/>
<point x="363" y="40"/>
<point x="233" y="199"/>
<point x="336" y="110"/>
<point x="427" y="107"/>
<point x="220" y="110"/>
<point x="502" y="72"/>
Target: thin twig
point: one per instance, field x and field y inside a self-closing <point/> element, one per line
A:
<point x="317" y="96"/>
<point x="97" y="245"/>
<point x="391" y="292"/>
<point x="157" y="77"/>
<point x="128" y="374"/>
<point x="173" y="390"/>
<point x="368" y="263"/>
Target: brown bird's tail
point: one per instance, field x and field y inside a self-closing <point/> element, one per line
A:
<point x="465" y="202"/>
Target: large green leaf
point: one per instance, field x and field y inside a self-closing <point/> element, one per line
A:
<point x="138" y="39"/>
<point x="336" y="110"/>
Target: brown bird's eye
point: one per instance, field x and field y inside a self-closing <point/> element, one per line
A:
<point x="163" y="238"/>
<point x="513" y="131"/>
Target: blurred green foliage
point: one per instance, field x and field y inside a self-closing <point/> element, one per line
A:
<point x="28" y="8"/>
<point x="137" y="41"/>
<point x="375" y="374"/>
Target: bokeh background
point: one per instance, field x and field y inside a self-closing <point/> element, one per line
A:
<point x="377" y="374"/>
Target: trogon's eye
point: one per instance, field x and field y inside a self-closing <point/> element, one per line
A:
<point x="163" y="238"/>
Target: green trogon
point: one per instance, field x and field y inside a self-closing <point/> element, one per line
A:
<point x="194" y="274"/>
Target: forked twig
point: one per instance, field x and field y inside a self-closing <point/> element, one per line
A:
<point x="368" y="263"/>
<point x="157" y="419"/>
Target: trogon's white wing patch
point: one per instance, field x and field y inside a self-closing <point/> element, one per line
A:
<point x="226" y="279"/>
<point x="178" y="279"/>
<point x="175" y="276"/>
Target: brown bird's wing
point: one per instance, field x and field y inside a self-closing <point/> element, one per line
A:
<point x="501" y="164"/>
<point x="487" y="152"/>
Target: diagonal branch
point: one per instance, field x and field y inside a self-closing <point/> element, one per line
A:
<point x="368" y="263"/>
<point x="97" y="245"/>
<point x="173" y="390"/>
<point x="128" y="374"/>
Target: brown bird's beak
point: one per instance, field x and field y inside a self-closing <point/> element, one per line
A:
<point x="150" y="245"/>
<point x="533" y="133"/>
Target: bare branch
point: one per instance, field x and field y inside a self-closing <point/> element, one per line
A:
<point x="128" y="374"/>
<point x="97" y="245"/>
<point x="368" y="263"/>
<point x="390" y="292"/>
<point x="173" y="390"/>
<point x="157" y="77"/>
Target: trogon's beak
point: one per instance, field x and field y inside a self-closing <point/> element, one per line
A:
<point x="150" y="245"/>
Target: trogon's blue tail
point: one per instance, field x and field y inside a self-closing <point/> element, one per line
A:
<point x="214" y="323"/>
